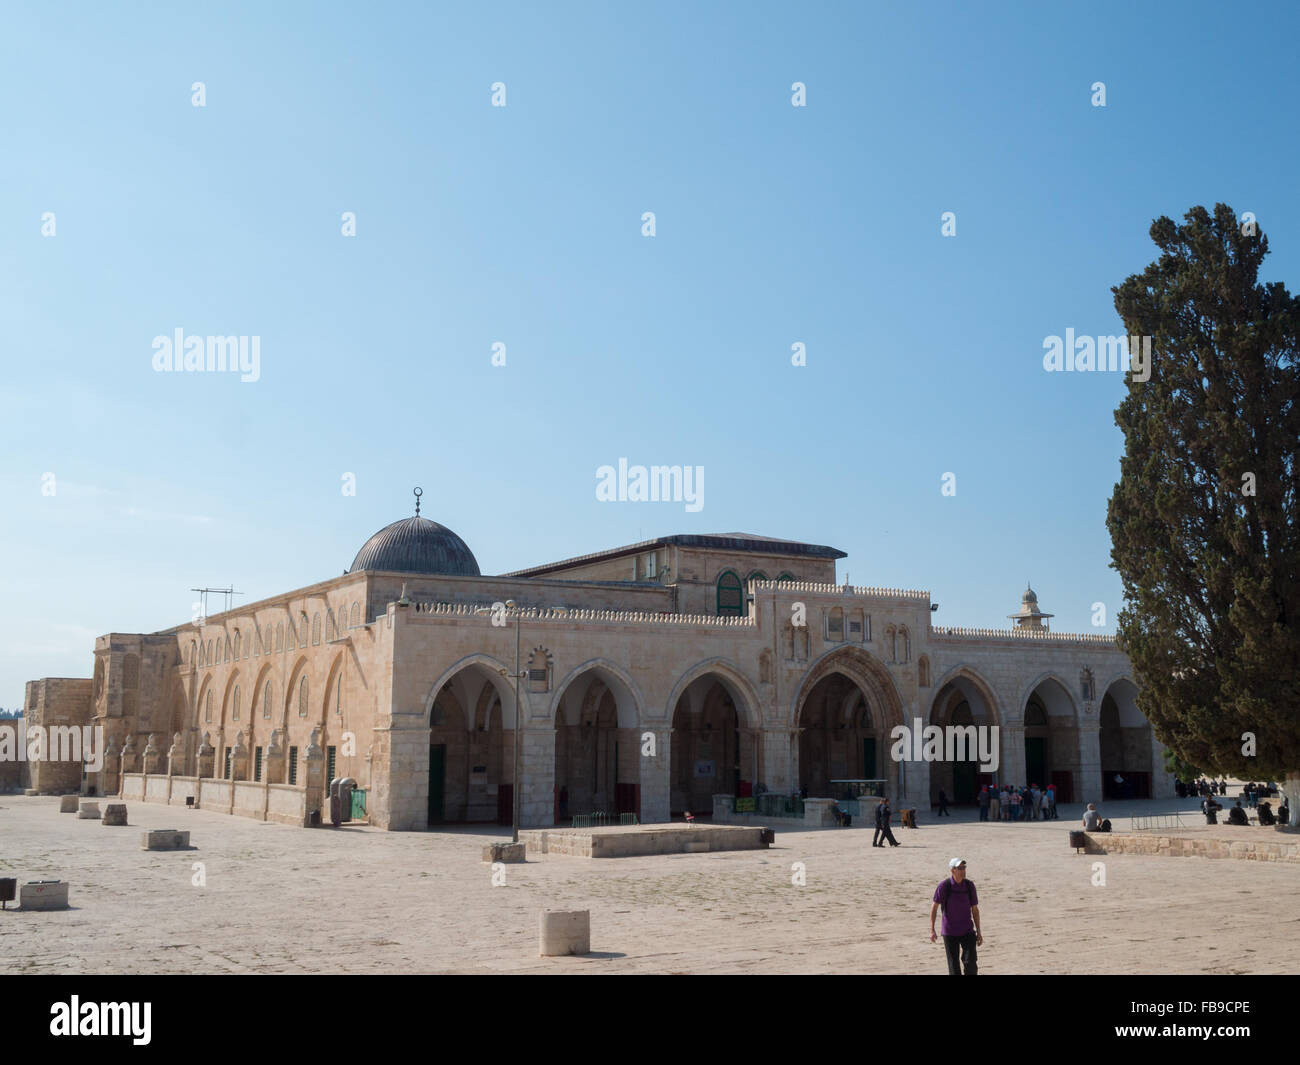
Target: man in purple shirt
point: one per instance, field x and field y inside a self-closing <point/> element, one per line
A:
<point x="961" y="919"/>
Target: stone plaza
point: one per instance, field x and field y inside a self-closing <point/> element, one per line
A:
<point x="260" y="897"/>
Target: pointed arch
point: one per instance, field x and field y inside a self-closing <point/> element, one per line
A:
<point x="861" y="667"/>
<point x="1065" y="699"/>
<point x="493" y="671"/>
<point x="742" y="691"/>
<point x="973" y="677"/>
<point x="627" y="696"/>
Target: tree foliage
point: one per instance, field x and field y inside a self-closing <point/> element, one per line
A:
<point x="1211" y="572"/>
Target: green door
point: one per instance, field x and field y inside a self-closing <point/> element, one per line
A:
<point x="437" y="781"/>
<point x="1035" y="760"/>
<point x="869" y="758"/>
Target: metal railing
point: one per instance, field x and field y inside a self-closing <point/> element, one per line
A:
<point x="770" y="805"/>
<point x="603" y="820"/>
<point x="1156" y="822"/>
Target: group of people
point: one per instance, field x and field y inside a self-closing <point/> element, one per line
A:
<point x="1185" y="788"/>
<point x="1010" y="803"/>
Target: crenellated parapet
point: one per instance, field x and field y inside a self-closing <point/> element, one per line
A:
<point x="1020" y="635"/>
<point x="861" y="591"/>
<point x="637" y="617"/>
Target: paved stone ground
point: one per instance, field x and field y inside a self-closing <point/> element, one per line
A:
<point x="282" y="899"/>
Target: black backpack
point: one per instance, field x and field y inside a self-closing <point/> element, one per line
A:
<point x="945" y="892"/>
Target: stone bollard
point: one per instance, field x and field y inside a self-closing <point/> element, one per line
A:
<point x="505" y="852"/>
<point x="88" y="811"/>
<point x="43" y="895"/>
<point x="69" y="803"/>
<point x="164" y="839"/>
<point x="565" y="932"/>
<point x="115" y="813"/>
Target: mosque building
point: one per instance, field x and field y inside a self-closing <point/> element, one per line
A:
<point x="650" y="678"/>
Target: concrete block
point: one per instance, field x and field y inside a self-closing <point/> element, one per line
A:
<point x="504" y="852"/>
<point x="115" y="813"/>
<point x="69" y="803"/>
<point x="164" y="839"/>
<point x="43" y="895"/>
<point x="88" y="811"/>
<point x="564" y="932"/>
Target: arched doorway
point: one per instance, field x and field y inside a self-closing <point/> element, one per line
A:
<point x="840" y="737"/>
<point x="962" y="701"/>
<point x="1125" y="741"/>
<point x="1051" y="740"/>
<point x="706" y="749"/>
<point x="471" y="750"/>
<point x="597" y="747"/>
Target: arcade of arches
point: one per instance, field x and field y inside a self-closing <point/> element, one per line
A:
<point x="842" y="734"/>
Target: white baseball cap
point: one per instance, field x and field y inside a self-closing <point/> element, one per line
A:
<point x="955" y="862"/>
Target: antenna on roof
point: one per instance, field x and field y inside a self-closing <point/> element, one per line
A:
<point x="227" y="592"/>
<point x="418" y="492"/>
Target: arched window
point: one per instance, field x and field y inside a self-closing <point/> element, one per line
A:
<point x="189" y="655"/>
<point x="257" y="641"/>
<point x="227" y="648"/>
<point x="207" y="706"/>
<point x="266" y="701"/>
<point x="891" y="643"/>
<point x="236" y="643"/>
<point x="290" y="638"/>
<point x="338" y="696"/>
<point x="315" y="630"/>
<point x="329" y="624"/>
<point x="279" y="636"/>
<point x="757" y="575"/>
<point x="731" y="599"/>
<point x="234" y="714"/>
<point x="302" y="629"/>
<point x="266" y="639"/>
<point x="923" y="671"/>
<point x="904" y="644"/>
<point x="211" y="652"/>
<point x="1035" y="715"/>
<point x="302" y="697"/>
<point x="786" y="577"/>
<point x="356" y="615"/>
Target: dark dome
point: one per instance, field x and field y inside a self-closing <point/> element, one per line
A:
<point x="417" y="545"/>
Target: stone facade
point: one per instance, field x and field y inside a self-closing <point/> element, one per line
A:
<point x="650" y="678"/>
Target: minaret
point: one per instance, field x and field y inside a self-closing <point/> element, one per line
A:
<point x="1029" y="616"/>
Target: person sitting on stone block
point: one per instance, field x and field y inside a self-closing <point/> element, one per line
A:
<point x="1237" y="816"/>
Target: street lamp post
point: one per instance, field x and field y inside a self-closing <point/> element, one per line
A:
<point x="517" y="789"/>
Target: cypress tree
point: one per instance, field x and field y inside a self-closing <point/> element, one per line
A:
<point x="1203" y="521"/>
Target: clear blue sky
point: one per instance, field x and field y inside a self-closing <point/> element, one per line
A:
<point x="522" y="225"/>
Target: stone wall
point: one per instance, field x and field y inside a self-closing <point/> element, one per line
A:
<point x="1256" y="845"/>
<point x="56" y="702"/>
<point x="262" y="802"/>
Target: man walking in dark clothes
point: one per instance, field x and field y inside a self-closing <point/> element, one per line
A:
<point x="943" y="803"/>
<point x="883" y="831"/>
